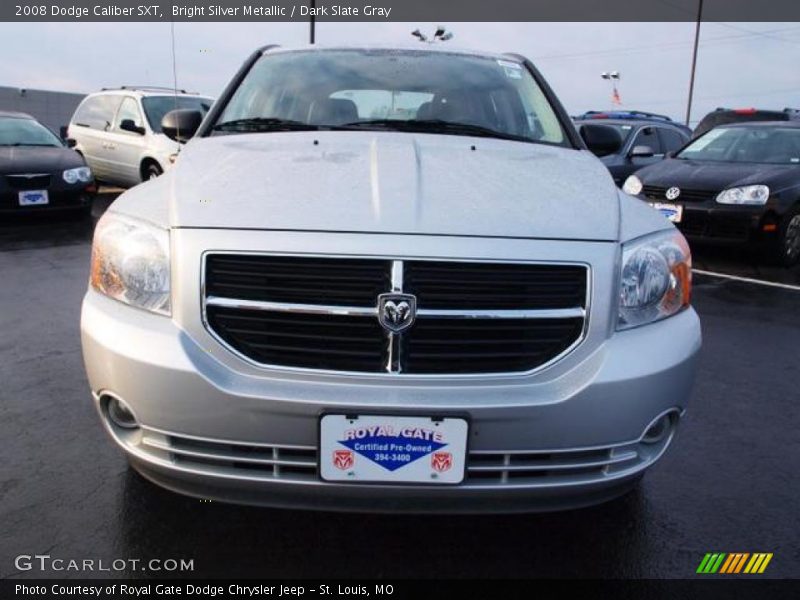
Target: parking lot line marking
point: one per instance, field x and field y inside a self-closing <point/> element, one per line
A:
<point x="785" y="286"/>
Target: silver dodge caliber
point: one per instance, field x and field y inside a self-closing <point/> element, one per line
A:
<point x="389" y="279"/>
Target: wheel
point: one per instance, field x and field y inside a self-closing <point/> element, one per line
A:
<point x="786" y="247"/>
<point x="151" y="171"/>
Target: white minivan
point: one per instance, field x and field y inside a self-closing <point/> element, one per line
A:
<point x="118" y="131"/>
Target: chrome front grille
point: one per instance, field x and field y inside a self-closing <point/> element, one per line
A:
<point x="28" y="181"/>
<point x="659" y="194"/>
<point x="484" y="468"/>
<point x="318" y="313"/>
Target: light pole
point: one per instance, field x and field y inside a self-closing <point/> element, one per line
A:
<point x="312" y="22"/>
<point x="694" y="60"/>
<point x="613" y="77"/>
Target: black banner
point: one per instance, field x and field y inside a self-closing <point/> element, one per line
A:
<point x="731" y="588"/>
<point x="401" y="10"/>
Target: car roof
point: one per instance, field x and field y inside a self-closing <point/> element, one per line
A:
<point x="754" y="124"/>
<point x="403" y="47"/>
<point x="9" y="114"/>
<point x="650" y="122"/>
<point x="146" y="91"/>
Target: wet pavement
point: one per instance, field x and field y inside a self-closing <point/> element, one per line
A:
<point x="730" y="482"/>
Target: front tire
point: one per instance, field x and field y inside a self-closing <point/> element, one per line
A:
<point x="786" y="247"/>
<point x="151" y="171"/>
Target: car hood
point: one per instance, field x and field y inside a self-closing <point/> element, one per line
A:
<point x="37" y="159"/>
<point x="389" y="182"/>
<point x="716" y="176"/>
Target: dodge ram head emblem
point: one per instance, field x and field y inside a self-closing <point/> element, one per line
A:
<point x="396" y="312"/>
<point x="673" y="193"/>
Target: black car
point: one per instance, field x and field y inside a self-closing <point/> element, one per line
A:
<point x="736" y="183"/>
<point x="646" y="138"/>
<point x="726" y="116"/>
<point x="38" y="172"/>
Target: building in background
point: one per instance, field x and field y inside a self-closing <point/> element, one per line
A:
<point x="51" y="108"/>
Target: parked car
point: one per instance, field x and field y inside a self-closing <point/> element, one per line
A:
<point x="119" y="132"/>
<point x="333" y="303"/>
<point x="38" y="172"/>
<point x="737" y="183"/>
<point x="646" y="139"/>
<point x="727" y="116"/>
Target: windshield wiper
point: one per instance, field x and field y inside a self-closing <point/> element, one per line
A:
<point x="435" y="126"/>
<point x="259" y="124"/>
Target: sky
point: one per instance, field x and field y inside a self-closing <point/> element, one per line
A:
<point x="739" y="64"/>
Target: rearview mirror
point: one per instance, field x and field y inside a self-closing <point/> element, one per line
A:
<point x="642" y="152"/>
<point x="129" y="125"/>
<point x="181" y="124"/>
<point x="601" y="139"/>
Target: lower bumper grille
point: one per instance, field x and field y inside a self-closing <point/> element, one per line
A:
<point x="484" y="468"/>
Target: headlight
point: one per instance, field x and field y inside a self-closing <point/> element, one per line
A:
<point x="755" y="195"/>
<point x="130" y="262"/>
<point x="656" y="279"/>
<point x="632" y="186"/>
<point x="82" y="174"/>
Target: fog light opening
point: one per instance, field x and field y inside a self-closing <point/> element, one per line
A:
<point x="120" y="414"/>
<point x="658" y="430"/>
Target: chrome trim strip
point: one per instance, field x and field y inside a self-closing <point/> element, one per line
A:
<point x="289" y="307"/>
<point x="204" y="302"/>
<point x="397" y="276"/>
<point x="559" y="313"/>
<point x="364" y="311"/>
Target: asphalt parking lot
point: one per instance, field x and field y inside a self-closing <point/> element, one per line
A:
<point x="730" y="482"/>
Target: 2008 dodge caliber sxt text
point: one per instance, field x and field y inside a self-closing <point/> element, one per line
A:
<point x="389" y="279"/>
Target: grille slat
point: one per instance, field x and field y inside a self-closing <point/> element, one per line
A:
<point x="455" y="285"/>
<point x="345" y="281"/>
<point x="479" y="329"/>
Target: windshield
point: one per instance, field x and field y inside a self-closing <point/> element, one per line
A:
<point x="26" y="132"/>
<point x="418" y="91"/>
<point x="766" y="145"/>
<point x="155" y="107"/>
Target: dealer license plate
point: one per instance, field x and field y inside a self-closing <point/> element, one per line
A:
<point x="674" y="212"/>
<point x="393" y="449"/>
<point x="33" y="197"/>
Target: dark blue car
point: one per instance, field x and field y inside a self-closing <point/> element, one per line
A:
<point x="646" y="139"/>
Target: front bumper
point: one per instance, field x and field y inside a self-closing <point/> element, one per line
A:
<point x="561" y="438"/>
<point x="708" y="221"/>
<point x="60" y="199"/>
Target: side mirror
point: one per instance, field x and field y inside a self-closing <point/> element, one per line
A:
<point x="71" y="143"/>
<point x="181" y="124"/>
<point x="670" y="154"/>
<point x="642" y="152"/>
<point x="601" y="139"/>
<point x="129" y="125"/>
